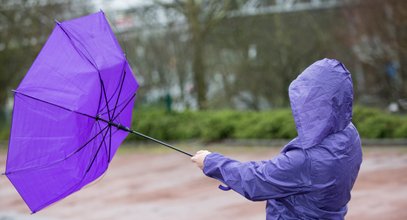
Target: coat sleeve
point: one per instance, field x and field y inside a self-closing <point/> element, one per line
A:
<point x="285" y="175"/>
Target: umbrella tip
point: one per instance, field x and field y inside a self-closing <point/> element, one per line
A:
<point x="56" y="21"/>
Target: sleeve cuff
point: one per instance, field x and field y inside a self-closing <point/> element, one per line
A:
<point x="210" y="163"/>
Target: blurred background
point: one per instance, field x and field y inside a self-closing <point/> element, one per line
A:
<point x="233" y="59"/>
<point x="217" y="73"/>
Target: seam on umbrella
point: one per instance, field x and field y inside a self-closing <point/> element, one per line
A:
<point x="119" y="85"/>
<point x="88" y="59"/>
<point x="71" y="36"/>
<point x="60" y="160"/>
<point x="97" y="151"/>
<point x="11" y="131"/>
<point x="114" y="93"/>
<point x="66" y="193"/>
<point x="121" y="88"/>
<point x="110" y="141"/>
<point x="53" y="104"/>
<point x="20" y="193"/>
<point x="73" y="188"/>
<point x="109" y="152"/>
<point x="120" y="104"/>
<point x="114" y="39"/>
<point x="118" y="114"/>
<point x="110" y="145"/>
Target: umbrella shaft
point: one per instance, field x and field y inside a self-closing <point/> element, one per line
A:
<point x="124" y="128"/>
<point x="160" y="142"/>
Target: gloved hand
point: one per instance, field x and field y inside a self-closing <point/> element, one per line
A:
<point x="199" y="158"/>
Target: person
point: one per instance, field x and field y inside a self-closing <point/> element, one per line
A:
<point x="314" y="173"/>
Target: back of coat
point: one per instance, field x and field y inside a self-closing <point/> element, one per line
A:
<point x="330" y="170"/>
<point x="313" y="176"/>
<point x="321" y="101"/>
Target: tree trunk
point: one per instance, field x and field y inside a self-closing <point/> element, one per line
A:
<point x="198" y="68"/>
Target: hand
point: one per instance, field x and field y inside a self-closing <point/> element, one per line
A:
<point x="199" y="158"/>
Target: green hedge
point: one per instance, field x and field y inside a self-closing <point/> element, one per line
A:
<point x="4" y="132"/>
<point x="275" y="124"/>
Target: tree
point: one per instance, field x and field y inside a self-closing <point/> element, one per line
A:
<point x="378" y="36"/>
<point x="264" y="53"/>
<point x="201" y="16"/>
<point x="24" y="26"/>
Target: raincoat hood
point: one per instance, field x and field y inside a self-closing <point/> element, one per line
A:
<point x="321" y="101"/>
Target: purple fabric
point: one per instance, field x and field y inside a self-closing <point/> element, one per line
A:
<point x="56" y="144"/>
<point x="313" y="175"/>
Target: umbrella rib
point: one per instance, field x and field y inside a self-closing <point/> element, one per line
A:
<point x="97" y="152"/>
<point x="100" y="99"/>
<point x="120" y="91"/>
<point x="71" y="189"/>
<point x="62" y="195"/>
<point x="115" y="91"/>
<point x="104" y="93"/>
<point x="79" y="149"/>
<point x="118" y="114"/>
<point x="110" y="145"/>
<point x="120" y="104"/>
<point x="70" y="36"/>
<point x="106" y="148"/>
<point x="58" y="161"/>
<point x="88" y="59"/>
<point x="50" y="103"/>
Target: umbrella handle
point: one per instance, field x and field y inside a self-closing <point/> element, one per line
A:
<point x="124" y="128"/>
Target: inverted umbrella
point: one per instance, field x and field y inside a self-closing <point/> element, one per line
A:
<point x="71" y="112"/>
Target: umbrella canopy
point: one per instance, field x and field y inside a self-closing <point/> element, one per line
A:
<point x="69" y="112"/>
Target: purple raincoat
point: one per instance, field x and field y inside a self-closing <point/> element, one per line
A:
<point x="313" y="175"/>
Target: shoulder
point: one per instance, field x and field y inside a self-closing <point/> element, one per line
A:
<point x="342" y="139"/>
<point x="292" y="159"/>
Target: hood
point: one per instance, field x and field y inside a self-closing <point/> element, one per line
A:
<point x="321" y="101"/>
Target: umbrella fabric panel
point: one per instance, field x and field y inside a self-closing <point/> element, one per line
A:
<point x="120" y="96"/>
<point x="42" y="187"/>
<point x="127" y="99"/>
<point x="114" y="139"/>
<point x="62" y="77"/>
<point x="93" y="38"/>
<point x="120" y="91"/>
<point x="42" y="133"/>
<point x="56" y="158"/>
<point x="118" y="137"/>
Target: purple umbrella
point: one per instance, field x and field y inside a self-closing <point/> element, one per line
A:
<point x="71" y="112"/>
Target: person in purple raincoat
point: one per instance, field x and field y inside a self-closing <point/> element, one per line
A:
<point x="313" y="176"/>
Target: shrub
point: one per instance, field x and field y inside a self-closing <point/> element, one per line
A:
<point x="4" y="132"/>
<point x="401" y="131"/>
<point x="360" y="114"/>
<point x="267" y="125"/>
<point x="274" y="124"/>
<point x="379" y="126"/>
<point x="166" y="126"/>
<point x="221" y="125"/>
